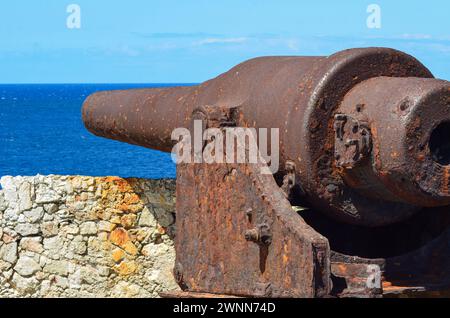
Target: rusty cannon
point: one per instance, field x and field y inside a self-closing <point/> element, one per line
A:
<point x="360" y="204"/>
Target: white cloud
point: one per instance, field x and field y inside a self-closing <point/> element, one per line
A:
<point x="221" y="41"/>
<point x="416" y="36"/>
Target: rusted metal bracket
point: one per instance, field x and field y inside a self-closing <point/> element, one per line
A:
<point x="237" y="235"/>
<point x="353" y="141"/>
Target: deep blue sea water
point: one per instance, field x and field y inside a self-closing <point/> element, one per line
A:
<point x="41" y="132"/>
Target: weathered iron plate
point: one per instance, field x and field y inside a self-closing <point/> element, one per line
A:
<point x="216" y="205"/>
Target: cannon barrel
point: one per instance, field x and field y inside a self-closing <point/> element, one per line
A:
<point x="368" y="130"/>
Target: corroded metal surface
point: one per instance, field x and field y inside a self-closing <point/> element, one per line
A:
<point x="401" y="114"/>
<point x="237" y="233"/>
<point x="364" y="140"/>
<point x="300" y="96"/>
<point x="247" y="242"/>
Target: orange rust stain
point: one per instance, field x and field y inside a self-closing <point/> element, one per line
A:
<point x="111" y="179"/>
<point x="391" y="288"/>
<point x="119" y="236"/>
<point x="386" y="284"/>
<point x="123" y="207"/>
<point x="286" y="252"/>
<point x="123" y="185"/>
<point x="131" y="198"/>
<point x="130" y="248"/>
<point x="376" y="147"/>
<point x="285" y="259"/>
<point x="118" y="255"/>
<point x="342" y="268"/>
<point x="446" y="181"/>
<point x="126" y="268"/>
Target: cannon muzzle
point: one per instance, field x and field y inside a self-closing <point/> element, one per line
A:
<point x="367" y="131"/>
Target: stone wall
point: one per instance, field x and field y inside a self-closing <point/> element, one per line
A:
<point x="72" y="236"/>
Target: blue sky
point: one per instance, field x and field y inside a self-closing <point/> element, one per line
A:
<point x="174" y="41"/>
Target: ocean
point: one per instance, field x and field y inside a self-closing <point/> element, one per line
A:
<point x="41" y="132"/>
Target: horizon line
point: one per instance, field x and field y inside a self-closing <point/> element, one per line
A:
<point x="104" y="83"/>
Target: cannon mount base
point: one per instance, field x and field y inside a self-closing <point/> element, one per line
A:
<point x="237" y="234"/>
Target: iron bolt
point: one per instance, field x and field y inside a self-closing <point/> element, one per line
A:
<point x="252" y="235"/>
<point x="260" y="234"/>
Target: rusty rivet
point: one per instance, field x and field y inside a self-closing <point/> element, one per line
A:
<point x="260" y="234"/>
<point x="405" y="104"/>
<point x="252" y="235"/>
